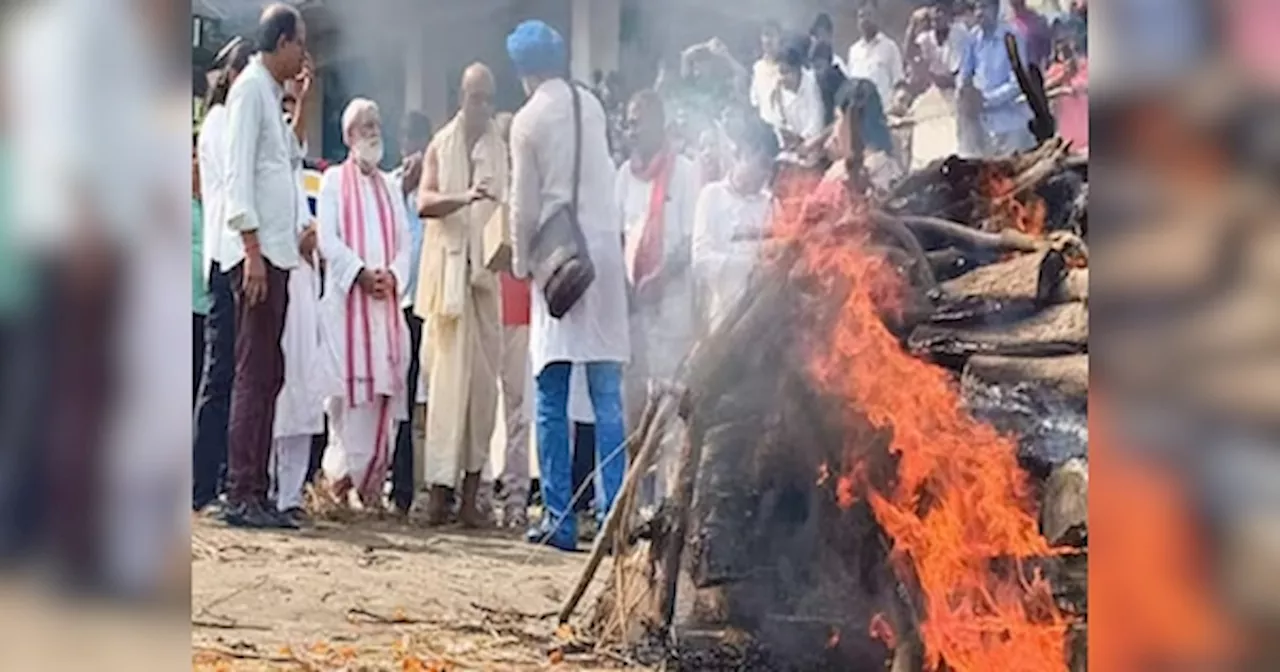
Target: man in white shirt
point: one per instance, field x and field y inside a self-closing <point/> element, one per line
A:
<point x="796" y="102"/>
<point x="656" y="189"/>
<point x="875" y="57"/>
<point x="942" y="43"/>
<point x="729" y="223"/>
<point x="764" y="74"/>
<point x="593" y="332"/>
<point x="365" y="241"/>
<point x="213" y="405"/>
<point x="260" y="248"/>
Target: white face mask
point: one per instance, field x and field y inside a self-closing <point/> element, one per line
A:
<point x="368" y="151"/>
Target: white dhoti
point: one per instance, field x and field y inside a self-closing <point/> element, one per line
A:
<point x="367" y="338"/>
<point x="463" y="361"/>
<point x="300" y="405"/>
<point x="461" y="302"/>
<point x="359" y="443"/>
<point x="290" y="460"/>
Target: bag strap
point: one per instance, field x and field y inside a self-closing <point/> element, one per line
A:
<point x="577" y="147"/>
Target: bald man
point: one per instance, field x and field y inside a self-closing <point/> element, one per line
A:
<point x="464" y="179"/>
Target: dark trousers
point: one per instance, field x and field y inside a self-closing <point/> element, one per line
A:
<point x="213" y="401"/>
<point x="584" y="463"/>
<point x="402" y="465"/>
<point x="197" y="356"/>
<point x="259" y="377"/>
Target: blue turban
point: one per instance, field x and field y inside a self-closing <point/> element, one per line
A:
<point x="537" y="49"/>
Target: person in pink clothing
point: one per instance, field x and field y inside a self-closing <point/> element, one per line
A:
<point x="1068" y="77"/>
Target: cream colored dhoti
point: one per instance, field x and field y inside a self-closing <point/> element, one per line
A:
<point x="462" y="358"/>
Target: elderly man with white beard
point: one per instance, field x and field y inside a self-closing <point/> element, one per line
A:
<point x="365" y="240"/>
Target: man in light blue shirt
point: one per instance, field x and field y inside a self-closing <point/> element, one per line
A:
<point x="415" y="133"/>
<point x="987" y="79"/>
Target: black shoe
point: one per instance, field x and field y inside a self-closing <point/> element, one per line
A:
<point x="251" y="516"/>
<point x="280" y="520"/>
<point x="297" y="516"/>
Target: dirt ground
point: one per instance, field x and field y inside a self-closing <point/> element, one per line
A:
<point x="379" y="594"/>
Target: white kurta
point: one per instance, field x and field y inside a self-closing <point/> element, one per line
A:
<point x="666" y="323"/>
<point x="764" y="79"/>
<point x="211" y="150"/>
<point x="360" y="426"/>
<point x="800" y="111"/>
<point x="307" y="374"/>
<point x="726" y="245"/>
<point x="542" y="150"/>
<point x="344" y="266"/>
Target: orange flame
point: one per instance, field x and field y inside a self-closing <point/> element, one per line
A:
<point x="1008" y="211"/>
<point x="960" y="501"/>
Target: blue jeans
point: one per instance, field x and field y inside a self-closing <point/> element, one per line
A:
<point x="555" y="458"/>
<point x="213" y="402"/>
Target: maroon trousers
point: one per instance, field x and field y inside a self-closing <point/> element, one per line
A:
<point x="259" y="377"/>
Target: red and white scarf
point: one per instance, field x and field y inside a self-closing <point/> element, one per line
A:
<point x="359" y="339"/>
<point x="648" y="255"/>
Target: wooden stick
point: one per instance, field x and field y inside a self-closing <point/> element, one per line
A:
<point x="612" y="520"/>
<point x="686" y="473"/>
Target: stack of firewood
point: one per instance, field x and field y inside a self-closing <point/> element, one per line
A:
<point x="750" y="559"/>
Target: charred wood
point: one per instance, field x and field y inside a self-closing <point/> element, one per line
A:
<point x="1042" y="278"/>
<point x="1057" y="330"/>
<point x="1064" y="508"/>
<point x="1066" y="377"/>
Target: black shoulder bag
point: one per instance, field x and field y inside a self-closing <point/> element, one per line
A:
<point x="559" y="261"/>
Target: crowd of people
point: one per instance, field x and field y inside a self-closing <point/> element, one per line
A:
<point x="366" y="348"/>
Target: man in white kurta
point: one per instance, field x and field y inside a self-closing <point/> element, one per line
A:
<point x="464" y="179"/>
<point x="593" y="332"/>
<point x="300" y="405"/>
<point x="729" y="224"/>
<point x="365" y="240"/>
<point x="795" y="102"/>
<point x="657" y="190"/>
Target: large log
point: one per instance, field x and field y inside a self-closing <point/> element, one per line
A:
<point x="1043" y="276"/>
<point x="1061" y="329"/>
<point x="1066" y="376"/>
<point x="1064" y="509"/>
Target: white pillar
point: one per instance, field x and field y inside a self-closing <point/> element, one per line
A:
<point x="594" y="36"/>
<point x="414" y="76"/>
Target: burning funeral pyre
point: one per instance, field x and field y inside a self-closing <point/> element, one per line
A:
<point x="884" y="445"/>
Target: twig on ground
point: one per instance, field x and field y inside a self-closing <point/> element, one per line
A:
<point x="247" y="655"/>
<point x="226" y="624"/>
<point x="256" y="583"/>
<point x="394" y="619"/>
<point x="512" y="612"/>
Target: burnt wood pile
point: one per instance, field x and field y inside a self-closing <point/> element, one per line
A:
<point x="750" y="563"/>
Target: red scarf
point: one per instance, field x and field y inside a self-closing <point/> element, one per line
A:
<point x="649" y="251"/>
<point x="353" y="230"/>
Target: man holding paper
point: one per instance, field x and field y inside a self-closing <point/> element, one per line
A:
<point x="464" y="180"/>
